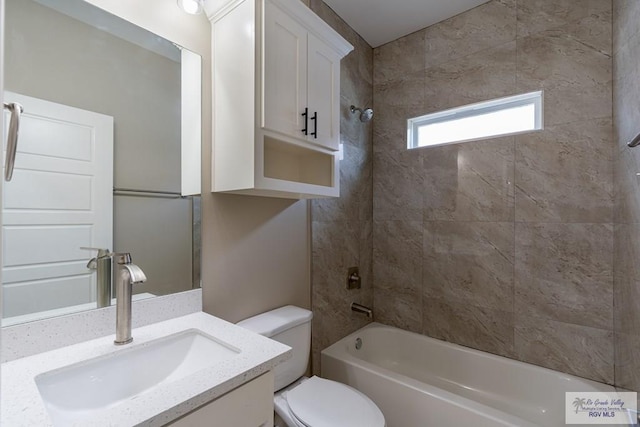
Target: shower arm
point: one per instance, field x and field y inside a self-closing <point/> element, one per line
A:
<point x="366" y="114"/>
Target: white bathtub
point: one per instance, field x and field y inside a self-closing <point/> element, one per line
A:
<point x="419" y="381"/>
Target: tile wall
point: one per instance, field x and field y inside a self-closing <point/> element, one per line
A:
<point x="342" y="228"/>
<point x="504" y="245"/>
<point x="626" y="267"/>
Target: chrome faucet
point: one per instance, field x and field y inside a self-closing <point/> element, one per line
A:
<point x="359" y="308"/>
<point x="102" y="264"/>
<point x="127" y="275"/>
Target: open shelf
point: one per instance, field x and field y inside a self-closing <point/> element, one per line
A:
<point x="289" y="162"/>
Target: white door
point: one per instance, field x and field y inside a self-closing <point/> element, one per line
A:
<point x="285" y="73"/>
<point x="60" y="199"/>
<point x="324" y="94"/>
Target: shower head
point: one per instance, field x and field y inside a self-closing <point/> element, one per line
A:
<point x="365" y="115"/>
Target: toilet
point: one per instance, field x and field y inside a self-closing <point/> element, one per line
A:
<point x="315" y="401"/>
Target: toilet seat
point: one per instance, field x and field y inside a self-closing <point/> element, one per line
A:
<point x="318" y="402"/>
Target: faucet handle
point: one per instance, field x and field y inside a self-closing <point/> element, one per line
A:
<point x="122" y="257"/>
<point x="93" y="262"/>
<point x="101" y="251"/>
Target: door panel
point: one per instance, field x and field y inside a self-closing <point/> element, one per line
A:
<point x="35" y="296"/>
<point x="64" y="140"/>
<point x="30" y="189"/>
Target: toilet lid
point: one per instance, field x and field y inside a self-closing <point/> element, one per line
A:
<point x="323" y="403"/>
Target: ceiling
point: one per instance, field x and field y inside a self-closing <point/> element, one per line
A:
<point x="382" y="21"/>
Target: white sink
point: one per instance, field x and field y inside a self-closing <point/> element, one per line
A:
<point x="80" y="390"/>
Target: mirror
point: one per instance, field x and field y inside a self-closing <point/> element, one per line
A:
<point x="108" y="157"/>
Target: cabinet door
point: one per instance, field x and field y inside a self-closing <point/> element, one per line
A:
<point x="250" y="405"/>
<point x="285" y="73"/>
<point x="324" y="94"/>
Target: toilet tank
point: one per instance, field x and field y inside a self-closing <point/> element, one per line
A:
<point x="291" y="326"/>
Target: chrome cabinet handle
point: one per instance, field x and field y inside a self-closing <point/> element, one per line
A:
<point x="12" y="140"/>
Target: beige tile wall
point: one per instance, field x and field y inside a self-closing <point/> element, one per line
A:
<point x="626" y="114"/>
<point x="505" y="245"/>
<point x="342" y="228"/>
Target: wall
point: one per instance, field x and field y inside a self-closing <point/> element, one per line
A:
<point x="342" y="227"/>
<point x="626" y="113"/>
<point x="504" y="245"/>
<point x="255" y="254"/>
<point x="57" y="58"/>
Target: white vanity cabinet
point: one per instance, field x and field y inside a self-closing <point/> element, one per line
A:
<point x="250" y="405"/>
<point x="276" y="99"/>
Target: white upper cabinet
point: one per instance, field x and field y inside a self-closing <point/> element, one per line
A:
<point x="285" y="72"/>
<point x="276" y="99"/>
<point x="323" y="88"/>
<point x="302" y="81"/>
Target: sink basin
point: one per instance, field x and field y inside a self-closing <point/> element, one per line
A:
<point x="78" y="391"/>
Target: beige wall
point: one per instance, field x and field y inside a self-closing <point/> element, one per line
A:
<point x="504" y="245"/>
<point x="626" y="113"/>
<point x="255" y="254"/>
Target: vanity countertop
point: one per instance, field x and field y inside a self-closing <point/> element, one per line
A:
<point x="22" y="405"/>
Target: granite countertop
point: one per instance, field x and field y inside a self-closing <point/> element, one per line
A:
<point x="22" y="405"/>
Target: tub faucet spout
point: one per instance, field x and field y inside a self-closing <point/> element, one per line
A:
<point x="128" y="274"/>
<point x="362" y="309"/>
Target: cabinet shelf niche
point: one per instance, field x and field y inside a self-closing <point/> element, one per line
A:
<point x="293" y="163"/>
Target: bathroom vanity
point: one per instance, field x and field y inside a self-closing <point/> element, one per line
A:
<point x="181" y="371"/>
<point x="251" y="404"/>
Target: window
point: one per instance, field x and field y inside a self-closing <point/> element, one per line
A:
<point x="504" y="116"/>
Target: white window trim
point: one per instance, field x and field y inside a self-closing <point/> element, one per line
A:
<point x="535" y="98"/>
